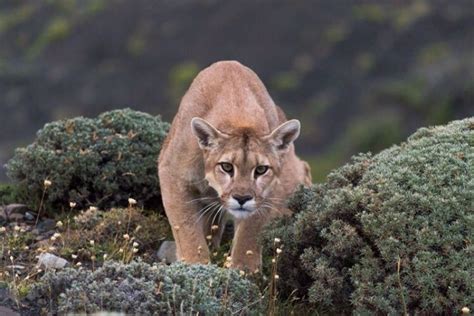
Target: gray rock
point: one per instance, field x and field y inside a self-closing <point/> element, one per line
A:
<point x="45" y="225"/>
<point x="50" y="261"/>
<point x="4" y="311"/>
<point x="11" y="209"/>
<point x="16" y="267"/>
<point x="167" y="252"/>
<point x="30" y="216"/>
<point x="15" y="217"/>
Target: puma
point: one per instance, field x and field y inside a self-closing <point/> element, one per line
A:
<point x="229" y="155"/>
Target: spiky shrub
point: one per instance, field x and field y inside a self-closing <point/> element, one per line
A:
<point x="107" y="229"/>
<point x="141" y="289"/>
<point x="387" y="233"/>
<point x="100" y="161"/>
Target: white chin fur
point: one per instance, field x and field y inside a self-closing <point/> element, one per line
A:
<point x="233" y="207"/>
<point x="239" y="214"/>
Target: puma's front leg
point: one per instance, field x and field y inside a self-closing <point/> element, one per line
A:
<point x="188" y="234"/>
<point x="246" y="251"/>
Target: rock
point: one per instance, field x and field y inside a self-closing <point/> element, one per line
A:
<point x="14" y="211"/>
<point x="16" y="267"/>
<point x="50" y="261"/>
<point x="15" y="217"/>
<point x="4" y="311"/>
<point x="167" y="252"/>
<point x="30" y="216"/>
<point x="45" y="225"/>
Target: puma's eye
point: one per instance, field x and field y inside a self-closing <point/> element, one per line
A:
<point x="260" y="170"/>
<point x="227" y="167"/>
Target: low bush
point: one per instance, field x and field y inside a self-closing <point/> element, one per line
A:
<point x="141" y="289"/>
<point x="101" y="161"/>
<point x="107" y="230"/>
<point x="10" y="194"/>
<point x="387" y="234"/>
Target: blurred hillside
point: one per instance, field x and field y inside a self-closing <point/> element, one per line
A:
<point x="360" y="75"/>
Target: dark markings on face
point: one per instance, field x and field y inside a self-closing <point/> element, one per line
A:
<point x="245" y="146"/>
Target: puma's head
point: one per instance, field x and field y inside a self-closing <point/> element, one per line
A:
<point x="244" y="167"/>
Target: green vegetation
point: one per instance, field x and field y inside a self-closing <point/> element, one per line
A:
<point x="433" y="53"/>
<point x="58" y="29"/>
<point x="386" y="234"/>
<point x="399" y="17"/>
<point x="10" y="193"/>
<point x="114" y="233"/>
<point x="180" y="78"/>
<point x="12" y="18"/>
<point x="139" y="288"/>
<point x="285" y="81"/>
<point x="102" y="161"/>
<point x="336" y="33"/>
<point x="364" y="135"/>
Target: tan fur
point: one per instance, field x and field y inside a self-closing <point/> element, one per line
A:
<point x="232" y="100"/>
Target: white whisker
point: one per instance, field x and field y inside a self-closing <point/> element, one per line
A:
<point x="214" y="218"/>
<point x="206" y="209"/>
<point x="201" y="199"/>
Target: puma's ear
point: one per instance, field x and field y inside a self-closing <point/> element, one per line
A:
<point x="285" y="134"/>
<point x="206" y="134"/>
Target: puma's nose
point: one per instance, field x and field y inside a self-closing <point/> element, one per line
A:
<point x="242" y="198"/>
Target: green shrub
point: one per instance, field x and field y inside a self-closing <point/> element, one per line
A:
<point x="107" y="230"/>
<point x="387" y="232"/>
<point x="101" y="161"/>
<point x="142" y="289"/>
<point x="10" y="194"/>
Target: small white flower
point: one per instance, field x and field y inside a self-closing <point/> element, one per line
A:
<point x="278" y="250"/>
<point x="57" y="235"/>
<point x="242" y="272"/>
<point x="59" y="224"/>
<point x="78" y="264"/>
<point x="104" y="256"/>
<point x="72" y="204"/>
<point x="121" y="250"/>
<point x="93" y="208"/>
<point x="91" y="242"/>
<point x="126" y="236"/>
<point x="132" y="201"/>
<point x="249" y="252"/>
<point x="277" y="240"/>
<point x="93" y="258"/>
<point x="53" y="238"/>
<point x="465" y="310"/>
<point x="277" y="277"/>
<point x="135" y="245"/>
<point x="135" y="250"/>
<point x="17" y="228"/>
<point x="3" y="229"/>
<point x="74" y="256"/>
<point x="47" y="183"/>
